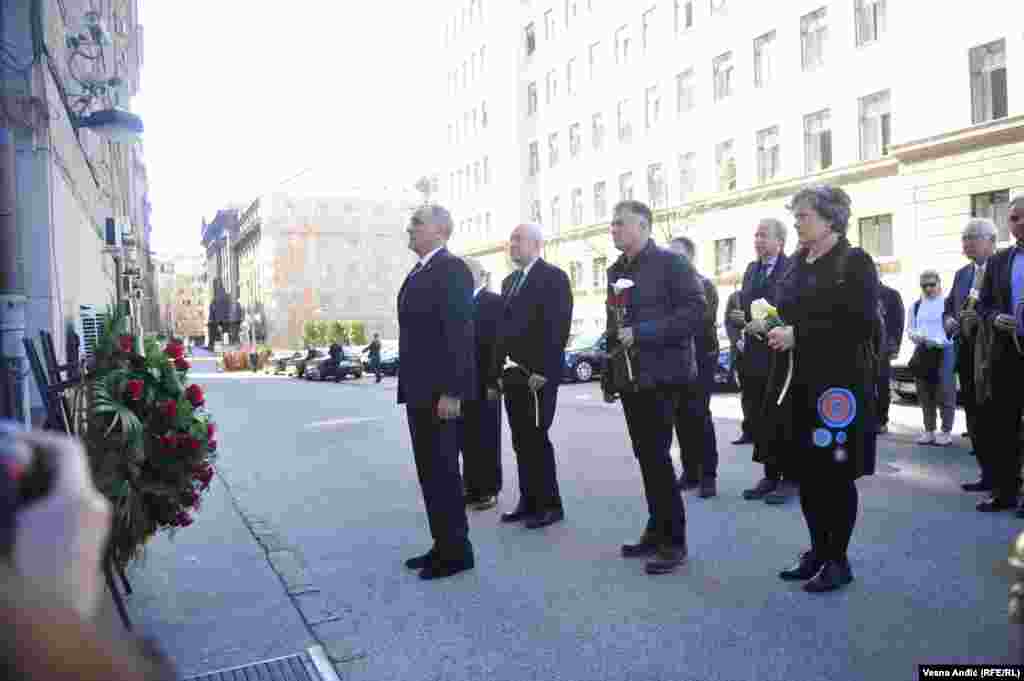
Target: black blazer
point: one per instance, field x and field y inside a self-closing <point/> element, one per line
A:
<point x="707" y="339"/>
<point x="895" y="317"/>
<point x="435" y="333"/>
<point x="732" y="330"/>
<point x="535" y="323"/>
<point x="997" y="298"/>
<point x="487" y="312"/>
<point x="757" y="357"/>
<point x="666" y="309"/>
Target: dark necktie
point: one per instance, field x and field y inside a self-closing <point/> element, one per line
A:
<point x="762" y="274"/>
<point x="517" y="284"/>
<point x="412" y="273"/>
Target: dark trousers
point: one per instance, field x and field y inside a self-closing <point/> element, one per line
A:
<point x="480" y="444"/>
<point x="752" y="400"/>
<point x="535" y="455"/>
<point x="1002" y="422"/>
<point x="375" y="367"/>
<point x="695" y="429"/>
<point x="883" y="390"/>
<point x="649" y="418"/>
<point x="829" y="503"/>
<point x="975" y="414"/>
<point x="435" y="447"/>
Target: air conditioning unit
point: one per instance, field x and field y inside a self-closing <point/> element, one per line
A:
<point x="89" y="327"/>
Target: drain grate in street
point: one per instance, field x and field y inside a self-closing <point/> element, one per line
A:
<point x="311" y="665"/>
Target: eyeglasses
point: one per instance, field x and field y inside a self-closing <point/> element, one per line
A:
<point x="929" y="284"/>
<point x="1016" y="218"/>
<point x="415" y="221"/>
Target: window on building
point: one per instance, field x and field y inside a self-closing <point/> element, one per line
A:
<point x="656" y="190"/>
<point x="483" y="114"/>
<point x="472" y="67"/>
<point x="875" y="126"/>
<point x="768" y="154"/>
<point x="570" y="77"/>
<point x="549" y="25"/>
<point x="764" y="55"/>
<point x="622" y="45"/>
<point x="597" y="129"/>
<point x="574" y="140"/>
<point x="870" y="18"/>
<point x="482" y="67"/>
<point x="813" y="34"/>
<point x="601" y="273"/>
<point x="476" y="175"/>
<point x="818" y="141"/>
<point x="996" y="207"/>
<point x="487" y="171"/>
<point x="600" y="201"/>
<point x="646" y="27"/>
<point x="576" y="199"/>
<point x="476" y="121"/>
<point x="725" y="255"/>
<point x="594" y="56"/>
<point x="652" y="109"/>
<point x="686" y="91"/>
<point x="535" y="215"/>
<point x="487" y="224"/>
<point x="576" y="274"/>
<point x="625" y="123"/>
<point x="876" y="235"/>
<point x="687" y="175"/>
<point x="465" y="75"/>
<point x="451" y="184"/>
<point x="683" y="15"/>
<point x="531" y="39"/>
<point x="570" y="12"/>
<point x="553" y="150"/>
<point x="461" y="187"/>
<point x="718" y="7"/>
<point x="988" y="82"/>
<point x="625" y="186"/>
<point x="722" y="66"/>
<point x="725" y="161"/>
<point x="534" y="159"/>
<point x="531" y="99"/>
<point x="552" y="86"/>
<point x="451" y="134"/>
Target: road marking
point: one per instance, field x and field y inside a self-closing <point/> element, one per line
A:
<point x="352" y="420"/>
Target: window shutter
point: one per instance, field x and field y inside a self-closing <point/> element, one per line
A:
<point x="999" y="103"/>
<point x="825" y="139"/>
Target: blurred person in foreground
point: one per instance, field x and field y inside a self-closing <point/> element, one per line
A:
<point x="50" y="585"/>
<point x="827" y="307"/>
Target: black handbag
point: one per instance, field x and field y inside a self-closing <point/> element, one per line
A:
<point x="925" y="363"/>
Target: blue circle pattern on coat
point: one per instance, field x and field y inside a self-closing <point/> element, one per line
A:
<point x="822" y="437"/>
<point x="837" y="407"/>
<point x="841" y="437"/>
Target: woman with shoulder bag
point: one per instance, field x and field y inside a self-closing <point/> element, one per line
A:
<point x="933" y="361"/>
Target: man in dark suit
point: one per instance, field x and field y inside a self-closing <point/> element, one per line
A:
<point x="436" y="376"/>
<point x="695" y="429"/>
<point x="655" y="309"/>
<point x="735" y="334"/>
<point x="1001" y="305"/>
<point x="894" y="315"/>
<point x="759" y="281"/>
<point x="533" y="332"/>
<point x="960" y="318"/>
<point x="480" y="429"/>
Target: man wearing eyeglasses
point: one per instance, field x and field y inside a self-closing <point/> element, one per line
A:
<point x="961" y="322"/>
<point x="1002" y="305"/>
<point x="933" y="361"/>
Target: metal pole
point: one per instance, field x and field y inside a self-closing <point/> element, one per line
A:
<point x="12" y="289"/>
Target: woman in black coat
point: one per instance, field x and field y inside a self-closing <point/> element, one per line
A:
<point x="828" y="302"/>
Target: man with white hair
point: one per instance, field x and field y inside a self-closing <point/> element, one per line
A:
<point x="436" y="375"/>
<point x="1002" y="307"/>
<point x="961" y="322"/>
<point x="533" y="333"/>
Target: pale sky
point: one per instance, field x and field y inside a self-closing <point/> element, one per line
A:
<point x="238" y="95"/>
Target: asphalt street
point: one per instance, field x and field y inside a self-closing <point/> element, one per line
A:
<point x="318" y="504"/>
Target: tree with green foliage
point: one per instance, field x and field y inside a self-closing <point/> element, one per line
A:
<point x="358" y="333"/>
<point x="314" y="333"/>
<point x="338" y="332"/>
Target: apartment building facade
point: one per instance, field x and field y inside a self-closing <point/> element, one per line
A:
<point x="716" y="111"/>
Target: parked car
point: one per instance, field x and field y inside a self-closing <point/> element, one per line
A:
<point x="280" y="361"/>
<point x="585" y="358"/>
<point x="388" y="358"/>
<point x="324" y="368"/>
<point x="301" y="363"/>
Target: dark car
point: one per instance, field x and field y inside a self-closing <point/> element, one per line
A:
<point x="585" y="358"/>
<point x="301" y="363"/>
<point x="388" y="360"/>
<point x="326" y="368"/>
<point x="281" y="361"/>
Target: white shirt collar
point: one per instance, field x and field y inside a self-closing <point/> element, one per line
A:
<point x="770" y="262"/>
<point x="425" y="259"/>
<point x="477" y="290"/>
<point x="526" y="270"/>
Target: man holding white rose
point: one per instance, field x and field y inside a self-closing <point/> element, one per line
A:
<point x="655" y="308"/>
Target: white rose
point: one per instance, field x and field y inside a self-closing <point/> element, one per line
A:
<point x="761" y="310"/>
<point x="621" y="285"/>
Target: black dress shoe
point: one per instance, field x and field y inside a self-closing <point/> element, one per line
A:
<point x="440" y="568"/>
<point x="420" y="562"/>
<point x="845" y="571"/>
<point x="761" y="489"/>
<point x="515" y="516"/>
<point x="667" y="558"/>
<point x="708" y="488"/>
<point x="828" y="578"/>
<point x="805" y="568"/>
<point x="545" y="518"/>
<point x="686" y="484"/>
<point x="647" y="546"/>
<point x="744" y="440"/>
<point x="995" y="504"/>
<point x="977" y="486"/>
